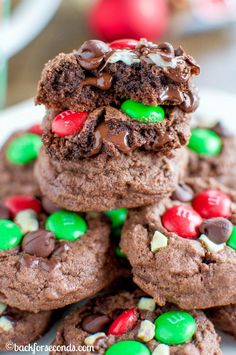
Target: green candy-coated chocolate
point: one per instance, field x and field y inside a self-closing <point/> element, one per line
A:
<point x="231" y="242"/>
<point x="10" y="234"/>
<point x="66" y="225"/>
<point x="204" y="141"/>
<point x="128" y="347"/>
<point x="24" y="149"/>
<point x="120" y="253"/>
<point x="143" y="113"/>
<point x="117" y="217"/>
<point x="174" y="327"/>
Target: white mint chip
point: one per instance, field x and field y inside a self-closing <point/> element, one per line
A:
<point x="124" y="55"/>
<point x="90" y="340"/>
<point x="5" y="324"/>
<point x="3" y="306"/>
<point x="157" y="59"/>
<point x="211" y="246"/>
<point x="161" y="349"/>
<point x="146" y="331"/>
<point x="147" y="304"/>
<point x="27" y="221"/>
<point x="159" y="240"/>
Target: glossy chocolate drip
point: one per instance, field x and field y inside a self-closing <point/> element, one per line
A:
<point x="190" y="102"/>
<point x="104" y="134"/>
<point x="167" y="52"/>
<point x="103" y="81"/>
<point x="92" y="53"/>
<point x="171" y="94"/>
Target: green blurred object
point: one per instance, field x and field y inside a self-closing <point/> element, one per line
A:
<point x="5" y="6"/>
<point x="204" y="141"/>
<point x="117" y="217"/>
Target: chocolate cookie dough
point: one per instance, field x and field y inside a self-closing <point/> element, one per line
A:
<point x="17" y="158"/>
<point x="211" y="153"/>
<point x="49" y="260"/>
<point x="105" y="183"/>
<point x="131" y="323"/>
<point x="224" y="318"/>
<point x="183" y="249"/>
<point x="20" y="327"/>
<point x="100" y="98"/>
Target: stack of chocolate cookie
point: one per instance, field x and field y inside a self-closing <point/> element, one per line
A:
<point x="114" y="135"/>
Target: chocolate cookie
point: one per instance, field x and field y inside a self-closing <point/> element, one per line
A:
<point x="17" y="158"/>
<point x="131" y="323"/>
<point x="51" y="259"/>
<point x="183" y="249"/>
<point x="224" y="318"/>
<point x="105" y="183"/>
<point x="211" y="152"/>
<point x="103" y="98"/>
<point x="20" y="327"/>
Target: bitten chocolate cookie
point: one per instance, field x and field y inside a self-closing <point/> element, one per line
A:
<point x="20" y="327"/>
<point x="131" y="323"/>
<point x="49" y="257"/>
<point x="183" y="249"/>
<point x="17" y="158"/>
<point x="117" y="99"/>
<point x="224" y="318"/>
<point x="211" y="153"/>
<point x="105" y="183"/>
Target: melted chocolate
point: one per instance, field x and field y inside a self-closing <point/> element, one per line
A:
<point x="103" y="81"/>
<point x="104" y="134"/>
<point x="92" y="53"/>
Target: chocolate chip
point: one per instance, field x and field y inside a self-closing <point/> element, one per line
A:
<point x="218" y="230"/>
<point x="95" y="323"/>
<point x="183" y="193"/>
<point x="91" y="54"/>
<point x="49" y="206"/>
<point x="4" y="213"/>
<point x="39" y="243"/>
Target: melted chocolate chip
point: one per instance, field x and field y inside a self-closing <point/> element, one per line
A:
<point x="40" y="243"/>
<point x="166" y="51"/>
<point x="104" y="134"/>
<point x="183" y="193"/>
<point x="91" y="54"/>
<point x="103" y="81"/>
<point x="4" y="213"/>
<point x="95" y="323"/>
<point x="218" y="230"/>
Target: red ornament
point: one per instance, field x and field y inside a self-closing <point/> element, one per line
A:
<point x="18" y="203"/>
<point x="111" y="20"/>
<point x="36" y="129"/>
<point x="182" y="220"/>
<point x="123" y="44"/>
<point x="124" y="322"/>
<point x="68" y="122"/>
<point x="212" y="203"/>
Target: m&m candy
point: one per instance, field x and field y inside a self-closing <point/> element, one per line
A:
<point x="124" y="44"/>
<point x="117" y="217"/>
<point x="24" y="149"/>
<point x="18" y="203"/>
<point x="10" y="233"/>
<point x="212" y="203"/>
<point x="36" y="129"/>
<point x="124" y="322"/>
<point x="204" y="141"/>
<point x="128" y="347"/>
<point x="182" y="220"/>
<point x="68" y="122"/>
<point x="66" y="225"/>
<point x="143" y="113"/>
<point x="175" y="327"/>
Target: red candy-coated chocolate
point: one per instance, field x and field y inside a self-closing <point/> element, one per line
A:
<point x="18" y="203"/>
<point x="212" y="203"/>
<point x="36" y="129"/>
<point x="124" y="44"/>
<point x="68" y="122"/>
<point x="124" y="322"/>
<point x="182" y="220"/>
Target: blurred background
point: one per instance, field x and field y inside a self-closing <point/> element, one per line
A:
<point x="33" y="31"/>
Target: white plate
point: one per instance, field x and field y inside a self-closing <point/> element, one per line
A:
<point x="214" y="105"/>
